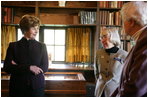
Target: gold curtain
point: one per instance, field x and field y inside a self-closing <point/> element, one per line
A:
<point x="8" y="34"/>
<point x="78" y="45"/>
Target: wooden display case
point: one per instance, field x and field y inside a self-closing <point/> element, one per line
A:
<point x="58" y="84"/>
<point x="65" y="84"/>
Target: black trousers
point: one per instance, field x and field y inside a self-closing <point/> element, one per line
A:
<point x="26" y="92"/>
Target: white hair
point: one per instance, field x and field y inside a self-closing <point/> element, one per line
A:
<point x="136" y="10"/>
<point x="114" y="35"/>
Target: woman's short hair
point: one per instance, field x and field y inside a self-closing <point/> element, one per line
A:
<point x="136" y="10"/>
<point x="27" y="22"/>
<point x="114" y="35"/>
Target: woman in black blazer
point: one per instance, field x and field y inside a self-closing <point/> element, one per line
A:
<point x="27" y="60"/>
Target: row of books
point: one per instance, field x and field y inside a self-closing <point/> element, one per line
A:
<point x="109" y="18"/>
<point x="128" y="46"/>
<point x="110" y="4"/>
<point x="7" y="15"/>
<point x="87" y="17"/>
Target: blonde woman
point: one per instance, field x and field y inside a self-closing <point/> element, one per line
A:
<point x="109" y="63"/>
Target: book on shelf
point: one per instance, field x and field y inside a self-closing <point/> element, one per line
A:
<point x="122" y="45"/>
<point x="110" y="18"/>
<point x="7" y="15"/>
<point x="117" y="18"/>
<point x="87" y="17"/>
<point x="110" y="4"/>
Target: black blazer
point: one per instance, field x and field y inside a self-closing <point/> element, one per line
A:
<point x="26" y="53"/>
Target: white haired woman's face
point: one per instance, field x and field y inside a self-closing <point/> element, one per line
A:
<point x="105" y="39"/>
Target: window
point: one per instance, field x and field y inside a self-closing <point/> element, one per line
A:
<point x="55" y="42"/>
<point x="20" y="35"/>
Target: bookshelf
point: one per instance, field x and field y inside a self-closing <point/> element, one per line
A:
<point x="49" y="11"/>
<point x="109" y="16"/>
<point x="52" y="15"/>
<point x="92" y="14"/>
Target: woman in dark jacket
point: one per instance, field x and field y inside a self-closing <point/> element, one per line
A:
<point x="26" y="60"/>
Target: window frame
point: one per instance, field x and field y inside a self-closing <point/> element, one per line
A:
<point x="41" y="39"/>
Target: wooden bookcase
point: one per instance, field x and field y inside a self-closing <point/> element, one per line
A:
<point x="109" y="16"/>
<point x="51" y="14"/>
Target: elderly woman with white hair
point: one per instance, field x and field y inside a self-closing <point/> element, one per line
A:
<point x="109" y="63"/>
<point x="134" y="75"/>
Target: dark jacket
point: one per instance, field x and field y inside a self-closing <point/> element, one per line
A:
<point x="134" y="76"/>
<point x="26" y="53"/>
